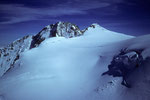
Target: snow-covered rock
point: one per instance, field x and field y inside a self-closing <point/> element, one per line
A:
<point x="104" y="34"/>
<point x="124" y="64"/>
<point x="67" y="30"/>
<point x="67" y="68"/>
<point x="60" y="29"/>
<point x="10" y="54"/>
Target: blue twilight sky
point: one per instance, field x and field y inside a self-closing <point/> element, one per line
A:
<point x="23" y="17"/>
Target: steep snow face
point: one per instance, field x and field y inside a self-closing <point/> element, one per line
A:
<point x="10" y="54"/>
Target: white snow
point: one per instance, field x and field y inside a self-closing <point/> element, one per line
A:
<point x="70" y="69"/>
<point x="8" y="54"/>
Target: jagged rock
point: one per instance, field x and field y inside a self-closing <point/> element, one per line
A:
<point x="124" y="64"/>
<point x="10" y="54"/>
<point x="67" y="30"/>
<point x="60" y="29"/>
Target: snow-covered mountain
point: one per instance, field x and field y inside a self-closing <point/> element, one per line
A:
<point x="10" y="54"/>
<point x="60" y="29"/>
<point x="54" y="66"/>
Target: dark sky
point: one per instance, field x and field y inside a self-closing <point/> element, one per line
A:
<point x="22" y="17"/>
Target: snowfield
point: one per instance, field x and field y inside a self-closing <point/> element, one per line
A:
<point x="70" y="69"/>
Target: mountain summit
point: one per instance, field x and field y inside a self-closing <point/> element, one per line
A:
<point x="60" y="29"/>
<point x="62" y="62"/>
<point x="9" y="55"/>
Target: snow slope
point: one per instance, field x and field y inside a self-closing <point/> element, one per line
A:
<point x="10" y="54"/>
<point x="70" y="69"/>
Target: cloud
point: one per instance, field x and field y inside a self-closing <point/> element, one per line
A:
<point x="15" y="13"/>
<point x="19" y="13"/>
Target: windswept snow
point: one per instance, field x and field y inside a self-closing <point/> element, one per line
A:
<point x="70" y="69"/>
<point x="10" y="54"/>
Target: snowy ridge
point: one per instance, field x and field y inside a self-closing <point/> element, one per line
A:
<point x="10" y="54"/>
<point x="69" y="68"/>
<point x="103" y="32"/>
<point x="74" y="73"/>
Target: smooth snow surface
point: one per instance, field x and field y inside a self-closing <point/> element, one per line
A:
<point x="70" y="69"/>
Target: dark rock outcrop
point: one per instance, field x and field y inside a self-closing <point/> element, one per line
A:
<point x="123" y="64"/>
<point x="60" y="29"/>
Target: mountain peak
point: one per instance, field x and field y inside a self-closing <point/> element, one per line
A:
<point x="60" y="29"/>
<point x="11" y="54"/>
<point x="95" y="25"/>
<point x="13" y="51"/>
<point x="67" y="30"/>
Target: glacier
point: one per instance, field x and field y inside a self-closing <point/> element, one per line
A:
<point x="66" y="64"/>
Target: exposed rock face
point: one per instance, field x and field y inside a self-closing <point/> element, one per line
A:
<point x="67" y="30"/>
<point x="10" y="54"/>
<point x="123" y="64"/>
<point x="60" y="29"/>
